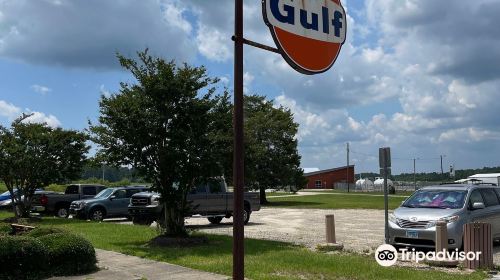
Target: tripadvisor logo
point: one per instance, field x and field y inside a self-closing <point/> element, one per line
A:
<point x="387" y="255"/>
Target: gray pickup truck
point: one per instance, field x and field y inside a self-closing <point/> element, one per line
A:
<point x="210" y="200"/>
<point x="58" y="203"/>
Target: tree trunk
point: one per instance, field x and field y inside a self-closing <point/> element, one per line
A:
<point x="263" y="198"/>
<point x="174" y="223"/>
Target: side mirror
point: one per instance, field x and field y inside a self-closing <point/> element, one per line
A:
<point x="477" y="205"/>
<point x="112" y="197"/>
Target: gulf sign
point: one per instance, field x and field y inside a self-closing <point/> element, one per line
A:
<point x="308" y="33"/>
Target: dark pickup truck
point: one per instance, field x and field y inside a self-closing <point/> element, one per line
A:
<point x="58" y="203"/>
<point x="210" y="200"/>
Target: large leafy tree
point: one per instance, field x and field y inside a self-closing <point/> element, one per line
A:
<point x="165" y="126"/>
<point x="271" y="156"/>
<point x="34" y="155"/>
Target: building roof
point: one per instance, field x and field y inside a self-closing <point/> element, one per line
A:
<point x="327" y="170"/>
<point x="485" y="175"/>
<point x="310" y="169"/>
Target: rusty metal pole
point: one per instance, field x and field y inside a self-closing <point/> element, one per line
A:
<point x="238" y="164"/>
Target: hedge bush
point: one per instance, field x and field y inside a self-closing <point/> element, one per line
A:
<point x="22" y="257"/>
<point x="5" y="229"/>
<point x="69" y="254"/>
<point x="42" y="231"/>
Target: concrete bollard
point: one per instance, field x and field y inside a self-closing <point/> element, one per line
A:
<point x="330" y="229"/>
<point x="331" y="241"/>
<point x="441" y="236"/>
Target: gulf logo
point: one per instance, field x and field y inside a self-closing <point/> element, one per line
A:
<point x="308" y="33"/>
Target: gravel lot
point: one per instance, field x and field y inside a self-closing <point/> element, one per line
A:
<point x="358" y="230"/>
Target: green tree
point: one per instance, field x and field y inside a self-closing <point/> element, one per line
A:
<point x="271" y="156"/>
<point x="165" y="126"/>
<point x="34" y="155"/>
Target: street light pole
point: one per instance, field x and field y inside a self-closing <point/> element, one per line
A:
<point x="442" y="156"/>
<point x="414" y="173"/>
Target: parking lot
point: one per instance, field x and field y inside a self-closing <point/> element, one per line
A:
<point x="360" y="230"/>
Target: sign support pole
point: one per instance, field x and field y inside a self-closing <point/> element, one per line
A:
<point x="384" y="155"/>
<point x="238" y="164"/>
<point x="386" y="202"/>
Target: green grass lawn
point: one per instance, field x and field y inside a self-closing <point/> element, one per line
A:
<point x="263" y="259"/>
<point x="279" y="194"/>
<point x="335" y="201"/>
<point x="405" y="193"/>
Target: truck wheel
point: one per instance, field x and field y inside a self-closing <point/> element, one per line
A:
<point x="246" y="215"/>
<point x="62" y="212"/>
<point x="215" y="220"/>
<point x="97" y="214"/>
<point x="141" y="221"/>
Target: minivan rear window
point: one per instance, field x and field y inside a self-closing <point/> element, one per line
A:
<point x="445" y="199"/>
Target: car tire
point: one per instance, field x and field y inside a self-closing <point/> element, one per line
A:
<point x="62" y="212"/>
<point x="141" y="221"/>
<point x="215" y="220"/>
<point x="97" y="214"/>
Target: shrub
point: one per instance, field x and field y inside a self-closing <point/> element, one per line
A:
<point x="42" y="231"/>
<point x="69" y="254"/>
<point x="22" y="257"/>
<point x="5" y="229"/>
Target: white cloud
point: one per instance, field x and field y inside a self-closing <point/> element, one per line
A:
<point x="39" y="117"/>
<point x="247" y="81"/>
<point x="43" y="90"/>
<point x="89" y="33"/>
<point x="213" y="44"/>
<point x="11" y="112"/>
<point x="104" y="91"/>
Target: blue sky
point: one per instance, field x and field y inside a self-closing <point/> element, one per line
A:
<point x="419" y="76"/>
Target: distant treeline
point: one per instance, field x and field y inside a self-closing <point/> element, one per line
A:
<point x="434" y="176"/>
<point x="110" y="174"/>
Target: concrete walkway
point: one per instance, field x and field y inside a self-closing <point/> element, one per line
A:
<point x="116" y="266"/>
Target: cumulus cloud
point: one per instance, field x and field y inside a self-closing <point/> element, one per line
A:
<point x="39" y="117"/>
<point x="89" y="33"/>
<point x="11" y="112"/>
<point x="426" y="72"/>
<point x="104" y="91"/>
<point x="43" y="90"/>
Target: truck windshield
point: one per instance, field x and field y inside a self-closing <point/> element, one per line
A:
<point x="444" y="199"/>
<point x="104" y="193"/>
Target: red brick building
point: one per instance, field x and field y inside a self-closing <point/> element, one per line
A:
<point x="326" y="179"/>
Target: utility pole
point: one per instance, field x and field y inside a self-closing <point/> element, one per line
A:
<point x="442" y="156"/>
<point x="102" y="172"/>
<point x="414" y="173"/>
<point x="347" y="175"/>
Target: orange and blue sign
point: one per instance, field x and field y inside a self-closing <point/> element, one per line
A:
<point x="308" y="33"/>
